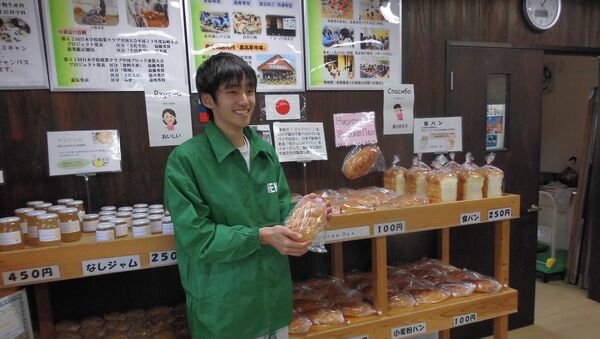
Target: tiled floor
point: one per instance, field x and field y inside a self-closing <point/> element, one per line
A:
<point x="561" y="311"/>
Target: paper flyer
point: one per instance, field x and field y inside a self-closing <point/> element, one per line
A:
<point x="266" y="34"/>
<point x="22" y="60"/>
<point x="15" y="321"/>
<point x="354" y="129"/>
<point x="299" y="141"/>
<point x="495" y="127"/>
<point x="168" y="115"/>
<point x="115" y="45"/>
<point x="438" y="135"/>
<point x="398" y="103"/>
<point x="353" y="44"/>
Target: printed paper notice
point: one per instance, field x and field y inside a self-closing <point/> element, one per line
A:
<point x="495" y="126"/>
<point x="263" y="131"/>
<point x="77" y="152"/>
<point x="299" y="141"/>
<point x="354" y="129"/>
<point x="398" y="105"/>
<point x="22" y="60"/>
<point x="15" y="321"/>
<point x="282" y="107"/>
<point x="169" y="116"/>
<point x="432" y="135"/>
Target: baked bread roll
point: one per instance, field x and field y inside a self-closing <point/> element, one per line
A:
<point x="402" y="299"/>
<point x="326" y="316"/>
<point x="308" y="218"/>
<point x="300" y="324"/>
<point x="356" y="310"/>
<point x="361" y="162"/>
<point x="442" y="186"/>
<point x="428" y="295"/>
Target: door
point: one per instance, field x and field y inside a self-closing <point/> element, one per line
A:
<point x="475" y="75"/>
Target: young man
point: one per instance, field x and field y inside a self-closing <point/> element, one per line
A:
<point x="228" y="196"/>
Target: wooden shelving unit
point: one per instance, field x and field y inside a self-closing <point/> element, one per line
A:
<point x="68" y="261"/>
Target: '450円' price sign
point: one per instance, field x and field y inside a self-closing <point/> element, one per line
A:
<point x="30" y="275"/>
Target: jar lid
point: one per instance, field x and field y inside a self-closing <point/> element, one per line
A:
<point x="166" y="219"/>
<point x="140" y="210"/>
<point x="56" y="208"/>
<point x="35" y="213"/>
<point x="118" y="221"/>
<point x="123" y="214"/>
<point x="34" y="203"/>
<point x="155" y="217"/>
<point x="156" y="206"/>
<point x="9" y="220"/>
<point x="68" y="210"/>
<point x="124" y="208"/>
<point x="23" y="210"/>
<point x="90" y="216"/>
<point x="107" y="213"/>
<point x="74" y="202"/>
<point x="139" y="216"/>
<point x="140" y="205"/>
<point x="140" y="222"/>
<point x="106" y="218"/>
<point x="47" y="216"/>
<point x="105" y="226"/>
<point x="108" y="208"/>
<point x="64" y="201"/>
<point x="43" y="205"/>
<point x="156" y="211"/>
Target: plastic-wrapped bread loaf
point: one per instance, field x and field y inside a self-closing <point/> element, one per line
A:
<point x="492" y="178"/>
<point x="442" y="184"/>
<point x="416" y="178"/>
<point x="308" y="218"/>
<point x="361" y="161"/>
<point x="393" y="177"/>
<point x="300" y="324"/>
<point x="470" y="180"/>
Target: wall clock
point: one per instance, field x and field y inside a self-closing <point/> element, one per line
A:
<point x="542" y="14"/>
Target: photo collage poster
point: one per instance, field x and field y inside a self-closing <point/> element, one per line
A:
<point x="266" y="34"/>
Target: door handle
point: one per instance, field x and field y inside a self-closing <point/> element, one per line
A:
<point x="533" y="209"/>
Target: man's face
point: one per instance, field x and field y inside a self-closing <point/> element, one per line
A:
<point x="233" y="106"/>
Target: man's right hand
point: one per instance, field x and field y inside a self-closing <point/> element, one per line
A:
<point x="284" y="240"/>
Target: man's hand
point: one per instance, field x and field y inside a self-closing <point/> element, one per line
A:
<point x="284" y="240"/>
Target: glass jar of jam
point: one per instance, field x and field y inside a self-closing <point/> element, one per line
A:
<point x="43" y="207"/>
<point x="106" y="218"/>
<point x="167" y="225"/>
<point x="63" y="201"/>
<point x="121" y="229"/>
<point x="125" y="209"/>
<point x="10" y="234"/>
<point x="139" y="210"/>
<point x="33" y="238"/>
<point x="126" y="216"/>
<point x="20" y="213"/>
<point x="103" y="213"/>
<point x="70" y="226"/>
<point x="105" y="231"/>
<point x="137" y="216"/>
<point x="155" y="223"/>
<point x="156" y="206"/>
<point x="48" y="229"/>
<point x="156" y="211"/>
<point x="78" y="204"/>
<point x="90" y="222"/>
<point x="141" y="228"/>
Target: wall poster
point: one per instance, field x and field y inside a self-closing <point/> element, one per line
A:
<point x="495" y="127"/>
<point x="22" y="60"/>
<point x="114" y="45"/>
<point x="267" y="34"/>
<point x="169" y="116"/>
<point x="353" y="44"/>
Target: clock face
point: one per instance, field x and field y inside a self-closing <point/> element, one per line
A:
<point x="542" y="14"/>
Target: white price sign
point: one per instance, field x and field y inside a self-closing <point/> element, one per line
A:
<point x="465" y="319"/>
<point x="111" y="265"/>
<point x="470" y="218"/>
<point x="30" y="275"/>
<point x="162" y="258"/>
<point x="499" y="214"/>
<point x="409" y="330"/>
<point x="347" y="234"/>
<point x="389" y="228"/>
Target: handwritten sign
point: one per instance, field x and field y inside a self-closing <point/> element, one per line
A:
<point x="409" y="330"/>
<point x="470" y="218"/>
<point x="354" y="129"/>
<point x="433" y="135"/>
<point x="299" y="141"/>
<point x="499" y="214"/>
<point x="111" y="265"/>
<point x="162" y="258"/>
<point x="389" y="228"/>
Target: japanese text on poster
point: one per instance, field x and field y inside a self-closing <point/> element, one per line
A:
<point x="353" y="44"/>
<point x="354" y="129"/>
<point x="433" y="135"/>
<point x="22" y="60"/>
<point x="266" y="34"/>
<point x="398" y="103"/>
<point x="77" y="152"/>
<point x="169" y="116"/>
<point x="108" y="45"/>
<point x="300" y="141"/>
<point x="15" y="321"/>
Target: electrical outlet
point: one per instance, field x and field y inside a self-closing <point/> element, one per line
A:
<point x="1" y="177"/>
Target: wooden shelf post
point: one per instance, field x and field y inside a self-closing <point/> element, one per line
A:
<point x="501" y="257"/>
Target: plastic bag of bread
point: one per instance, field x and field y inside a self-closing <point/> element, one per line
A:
<point x="416" y="178"/>
<point x="458" y="288"/>
<point x="452" y="165"/>
<point x="393" y="177"/>
<point x="379" y="194"/>
<point x="428" y="295"/>
<point x="492" y="178"/>
<point x="309" y="218"/>
<point x="348" y="296"/>
<point x="357" y="279"/>
<point x="300" y="324"/>
<point x="356" y="310"/>
<point x="362" y="160"/>
<point x="483" y="283"/>
<point x="442" y="184"/>
<point x="302" y="291"/>
<point x="349" y="204"/>
<point x="327" y="286"/>
<point x="304" y="306"/>
<point x="328" y="194"/>
<point x="406" y="200"/>
<point x="401" y="299"/>
<point x="470" y="180"/>
<point x="296" y="197"/>
<point x="327" y="316"/>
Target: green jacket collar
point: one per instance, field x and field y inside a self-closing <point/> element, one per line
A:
<point x="222" y="147"/>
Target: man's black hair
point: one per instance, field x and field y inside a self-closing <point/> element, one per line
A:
<point x="223" y="69"/>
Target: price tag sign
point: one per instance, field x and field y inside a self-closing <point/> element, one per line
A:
<point x="347" y="234"/>
<point x="409" y="331"/>
<point x="464" y="319"/>
<point x="389" y="228"/>
<point x="162" y="258"/>
<point x="30" y="275"/>
<point x="499" y="214"/>
<point x="111" y="265"/>
<point x="470" y="218"/>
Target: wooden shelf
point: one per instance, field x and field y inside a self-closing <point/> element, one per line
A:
<point x="437" y="317"/>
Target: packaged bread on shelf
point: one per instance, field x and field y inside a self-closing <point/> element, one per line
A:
<point x="356" y="310"/>
<point x="362" y="160"/>
<point x="380" y="194"/>
<point x="470" y="180"/>
<point x="300" y="324"/>
<point x="401" y="299"/>
<point x="458" y="288"/>
<point x="492" y="178"/>
<point x="406" y="200"/>
<point x="416" y="178"/>
<point x="308" y="217"/>
<point x="452" y="165"/>
<point x="442" y="184"/>
<point x="326" y="316"/>
<point x="393" y="177"/>
<point x="428" y="295"/>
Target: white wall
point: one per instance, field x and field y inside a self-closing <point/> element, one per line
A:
<point x="564" y="109"/>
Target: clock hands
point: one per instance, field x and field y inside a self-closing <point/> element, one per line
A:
<point x="544" y="2"/>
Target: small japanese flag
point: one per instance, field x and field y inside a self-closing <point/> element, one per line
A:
<point x="282" y="107"/>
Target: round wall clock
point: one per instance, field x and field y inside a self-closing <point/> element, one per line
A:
<point x="542" y="14"/>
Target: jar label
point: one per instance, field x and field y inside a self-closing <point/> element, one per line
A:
<point x="80" y="214"/>
<point x="105" y="235"/>
<point x="69" y="227"/>
<point x="141" y="231"/>
<point x="32" y="231"/>
<point x="90" y="226"/>
<point x="24" y="227"/>
<point x="168" y="229"/>
<point x="121" y="230"/>
<point x="10" y="238"/>
<point x="156" y="226"/>
<point x="48" y="235"/>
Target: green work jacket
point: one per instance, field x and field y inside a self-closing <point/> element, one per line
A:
<point x="235" y="286"/>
